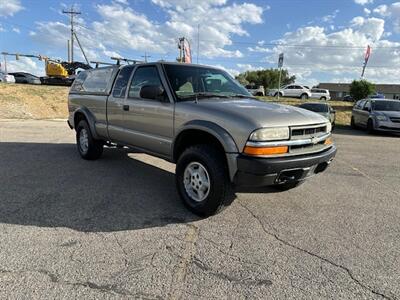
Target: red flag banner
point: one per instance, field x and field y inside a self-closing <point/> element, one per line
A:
<point x="187" y="52"/>
<point x="367" y="54"/>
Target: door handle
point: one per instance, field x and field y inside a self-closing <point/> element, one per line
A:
<point x="125" y="107"/>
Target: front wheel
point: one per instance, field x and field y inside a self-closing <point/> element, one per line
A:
<point x="370" y="126"/>
<point x="304" y="97"/>
<point x="202" y="180"/>
<point x="88" y="147"/>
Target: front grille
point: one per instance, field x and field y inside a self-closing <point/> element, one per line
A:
<point x="307" y="131"/>
<point x="395" y="120"/>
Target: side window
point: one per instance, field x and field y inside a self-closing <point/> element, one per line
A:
<point x="290" y="87"/>
<point x="367" y="106"/>
<point x="77" y="86"/>
<point x="97" y="80"/>
<point x="121" y="83"/>
<point x="143" y="76"/>
<point x="361" y="104"/>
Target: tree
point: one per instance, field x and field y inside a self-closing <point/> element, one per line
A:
<point x="269" y="78"/>
<point x="360" y="89"/>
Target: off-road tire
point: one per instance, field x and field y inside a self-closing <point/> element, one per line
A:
<point x="220" y="192"/>
<point x="94" y="147"/>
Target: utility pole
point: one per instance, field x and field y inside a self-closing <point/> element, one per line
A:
<point x="198" y="42"/>
<point x="71" y="14"/>
<point x="145" y="56"/>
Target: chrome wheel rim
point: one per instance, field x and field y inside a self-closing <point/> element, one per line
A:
<point x="83" y="140"/>
<point x="196" y="181"/>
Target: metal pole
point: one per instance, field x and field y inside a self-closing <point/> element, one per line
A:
<point x="198" y="42"/>
<point x="69" y="54"/>
<point x="5" y="63"/>
<point x="279" y="84"/>
<point x="83" y="52"/>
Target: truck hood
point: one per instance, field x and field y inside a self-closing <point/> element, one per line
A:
<point x="260" y="113"/>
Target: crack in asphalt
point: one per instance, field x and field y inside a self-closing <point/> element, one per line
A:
<point x="201" y="265"/>
<point x="106" y="288"/>
<point x="179" y="277"/>
<point x="347" y="270"/>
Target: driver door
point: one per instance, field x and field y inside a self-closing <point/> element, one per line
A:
<point x="148" y="123"/>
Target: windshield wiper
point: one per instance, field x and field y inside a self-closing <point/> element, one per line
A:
<point x="202" y="96"/>
<point x="241" y="96"/>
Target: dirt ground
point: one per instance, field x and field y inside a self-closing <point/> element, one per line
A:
<point x="25" y="101"/>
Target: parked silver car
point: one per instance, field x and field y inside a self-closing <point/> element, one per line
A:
<point x="200" y="118"/>
<point x="376" y="115"/>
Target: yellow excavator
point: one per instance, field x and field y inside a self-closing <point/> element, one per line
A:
<point x="57" y="72"/>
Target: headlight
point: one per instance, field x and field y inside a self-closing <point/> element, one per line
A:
<point x="381" y="118"/>
<point x="270" y="134"/>
<point x="328" y="127"/>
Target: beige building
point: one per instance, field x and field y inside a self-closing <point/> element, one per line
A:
<point x="339" y="90"/>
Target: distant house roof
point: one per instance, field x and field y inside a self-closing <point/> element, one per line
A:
<point x="345" y="87"/>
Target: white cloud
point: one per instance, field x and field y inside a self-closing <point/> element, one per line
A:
<point x="340" y="53"/>
<point x="16" y="30"/>
<point x="260" y="49"/>
<point x="10" y="7"/>
<point x="121" y="28"/>
<point x="26" y="64"/>
<point x="392" y="12"/>
<point x="367" y="11"/>
<point x="330" y="18"/>
<point x="363" y="2"/>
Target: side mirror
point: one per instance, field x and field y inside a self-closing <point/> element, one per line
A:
<point x="333" y="111"/>
<point x="154" y="92"/>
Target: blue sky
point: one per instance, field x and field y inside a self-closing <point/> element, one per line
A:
<point x="323" y="40"/>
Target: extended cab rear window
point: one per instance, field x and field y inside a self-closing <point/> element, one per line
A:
<point x="93" y="81"/>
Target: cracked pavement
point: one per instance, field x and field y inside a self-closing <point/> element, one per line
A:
<point x="115" y="228"/>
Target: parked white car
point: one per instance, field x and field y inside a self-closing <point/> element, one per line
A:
<point x="6" y="78"/>
<point x="292" y="90"/>
<point x="320" y="94"/>
<point x="256" y="90"/>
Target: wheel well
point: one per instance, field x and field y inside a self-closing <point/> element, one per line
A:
<point x="192" y="137"/>
<point x="78" y="117"/>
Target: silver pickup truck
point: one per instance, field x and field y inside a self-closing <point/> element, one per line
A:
<point x="201" y="119"/>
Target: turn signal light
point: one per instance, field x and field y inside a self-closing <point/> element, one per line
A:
<point x="266" y="150"/>
<point x="328" y="141"/>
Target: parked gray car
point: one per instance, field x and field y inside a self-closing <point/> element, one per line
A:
<point x="323" y="109"/>
<point x="376" y="115"/>
<point x="200" y="118"/>
<point x="22" y="77"/>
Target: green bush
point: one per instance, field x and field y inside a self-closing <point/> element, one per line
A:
<point x="360" y="89"/>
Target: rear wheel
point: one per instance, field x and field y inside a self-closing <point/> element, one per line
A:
<point x="276" y="95"/>
<point x="323" y="98"/>
<point x="88" y="147"/>
<point x="202" y="180"/>
<point x="352" y="123"/>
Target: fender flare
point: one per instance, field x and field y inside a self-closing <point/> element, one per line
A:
<point x="225" y="139"/>
<point x="91" y="119"/>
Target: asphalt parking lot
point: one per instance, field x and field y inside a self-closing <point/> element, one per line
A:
<point x="115" y="228"/>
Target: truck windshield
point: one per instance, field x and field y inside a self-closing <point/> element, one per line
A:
<point x="386" y="105"/>
<point x="190" y="82"/>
